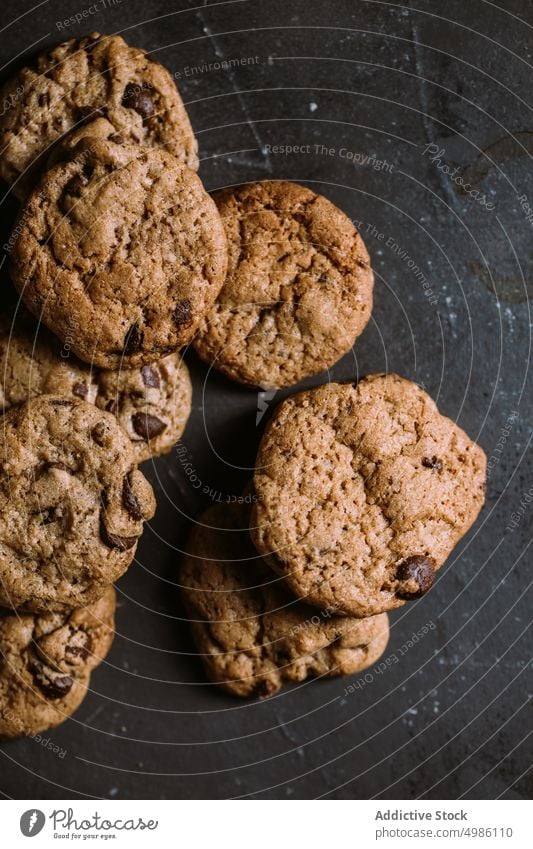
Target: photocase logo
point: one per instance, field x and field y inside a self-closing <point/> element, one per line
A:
<point x="32" y="822"/>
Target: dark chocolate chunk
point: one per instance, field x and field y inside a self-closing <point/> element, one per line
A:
<point x="150" y="377"/>
<point x="114" y="540"/>
<point x="182" y="314"/>
<point x="432" y="463"/>
<point x="79" y="644"/>
<point x="417" y="574"/>
<point x="53" y="686"/>
<point x="133" y="340"/>
<point x="80" y="389"/>
<point x="140" y="99"/>
<point x="130" y="501"/>
<point x="147" y="426"/>
<point x="98" y="433"/>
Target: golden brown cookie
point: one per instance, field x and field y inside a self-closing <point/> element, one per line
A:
<point x="46" y="662"/>
<point x="362" y="493"/>
<point x="83" y="79"/>
<point x="72" y="504"/>
<point x="252" y="635"/>
<point x="298" y="291"/>
<point x="120" y="251"/>
<point x="151" y="403"/>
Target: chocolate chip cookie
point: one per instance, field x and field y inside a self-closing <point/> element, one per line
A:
<point x="362" y="493"/>
<point x="82" y="79"/>
<point x="46" y="662"/>
<point x="298" y="291"/>
<point x="120" y="251"/>
<point x="151" y="403"/>
<point x="252" y="635"/>
<point x="72" y="504"/>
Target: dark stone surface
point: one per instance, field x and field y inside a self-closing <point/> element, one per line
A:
<point x="381" y="80"/>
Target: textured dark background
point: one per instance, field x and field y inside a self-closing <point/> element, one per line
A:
<point x="381" y="79"/>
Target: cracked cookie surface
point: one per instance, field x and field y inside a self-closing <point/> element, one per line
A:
<point x="251" y="633"/>
<point x="72" y="504"/>
<point x="298" y="291"/>
<point x="80" y="79"/>
<point x="362" y="493"/>
<point x="120" y="252"/>
<point x="152" y="403"/>
<point x="46" y="663"/>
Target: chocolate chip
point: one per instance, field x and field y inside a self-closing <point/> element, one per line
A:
<point x="150" y="377"/>
<point x="182" y="314"/>
<point x="139" y="99"/>
<point x="265" y="688"/>
<point x="53" y="686"/>
<point x="80" y="389"/>
<point x="61" y="402"/>
<point x="98" y="433"/>
<point x="432" y="463"/>
<point x="417" y="573"/>
<point x="79" y="644"/>
<point x="130" y="501"/>
<point x="147" y="426"/>
<point x="116" y="138"/>
<point x="133" y="340"/>
<point x="111" y="407"/>
<point x="89" y="113"/>
<point x="114" y="540"/>
<point x="58" y="687"/>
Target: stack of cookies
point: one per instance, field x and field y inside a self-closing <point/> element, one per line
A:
<point x="360" y="491"/>
<point x="121" y="258"/>
<point x="117" y="254"/>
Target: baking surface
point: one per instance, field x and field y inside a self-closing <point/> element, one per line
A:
<point x="386" y="107"/>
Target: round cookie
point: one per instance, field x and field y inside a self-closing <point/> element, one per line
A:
<point x="298" y="291"/>
<point x="252" y="635"/>
<point x="81" y="79"/>
<point x="151" y="403"/>
<point x="72" y="504"/>
<point x="120" y="251"/>
<point x="46" y="663"/>
<point x="362" y="493"/>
